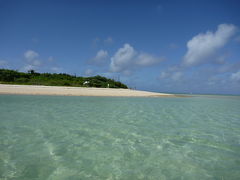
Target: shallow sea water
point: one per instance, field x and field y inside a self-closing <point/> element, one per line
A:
<point x="71" y="138"/>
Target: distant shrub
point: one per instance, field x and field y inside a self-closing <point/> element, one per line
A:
<point x="62" y="79"/>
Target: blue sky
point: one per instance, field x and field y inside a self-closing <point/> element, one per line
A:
<point x="164" y="46"/>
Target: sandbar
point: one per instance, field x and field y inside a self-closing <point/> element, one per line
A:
<point x="76" y="91"/>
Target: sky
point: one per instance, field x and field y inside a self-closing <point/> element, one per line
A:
<point x="156" y="45"/>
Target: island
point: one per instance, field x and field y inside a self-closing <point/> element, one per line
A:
<point x="33" y="83"/>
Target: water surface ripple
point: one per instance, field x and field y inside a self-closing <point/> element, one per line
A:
<point x="59" y="138"/>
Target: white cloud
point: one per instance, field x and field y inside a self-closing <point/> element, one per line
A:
<point x="145" y="59"/>
<point x="88" y="72"/>
<point x="32" y="60"/>
<point x="50" y="59"/>
<point x="221" y="59"/>
<point x="28" y="67"/>
<point x="36" y="62"/>
<point x="228" y="67"/>
<point x="176" y="76"/>
<point x="164" y="75"/>
<point x="123" y="58"/>
<point x="3" y="63"/>
<point x="235" y="76"/>
<point x="101" y="41"/>
<point x="100" y="57"/>
<point x="30" y="55"/>
<point x="127" y="58"/>
<point x="201" y="48"/>
<point x="109" y="40"/>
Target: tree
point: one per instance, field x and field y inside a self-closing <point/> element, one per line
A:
<point x="31" y="71"/>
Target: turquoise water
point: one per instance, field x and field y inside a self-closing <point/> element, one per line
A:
<point x="57" y="137"/>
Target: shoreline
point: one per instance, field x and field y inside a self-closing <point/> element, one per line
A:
<point x="77" y="91"/>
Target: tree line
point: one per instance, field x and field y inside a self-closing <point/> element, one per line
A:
<point x="8" y="76"/>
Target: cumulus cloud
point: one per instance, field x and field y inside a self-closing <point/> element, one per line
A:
<point x="32" y="60"/>
<point x="123" y="58"/>
<point x="235" y="76"/>
<point x="202" y="47"/>
<point x="100" y="57"/>
<point x="30" y="55"/>
<point x="127" y="58"/>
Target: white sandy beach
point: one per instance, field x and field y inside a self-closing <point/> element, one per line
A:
<point x="76" y="91"/>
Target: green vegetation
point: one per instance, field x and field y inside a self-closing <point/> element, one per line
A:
<point x="48" y="79"/>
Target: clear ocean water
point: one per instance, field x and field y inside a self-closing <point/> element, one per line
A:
<point x="72" y="138"/>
